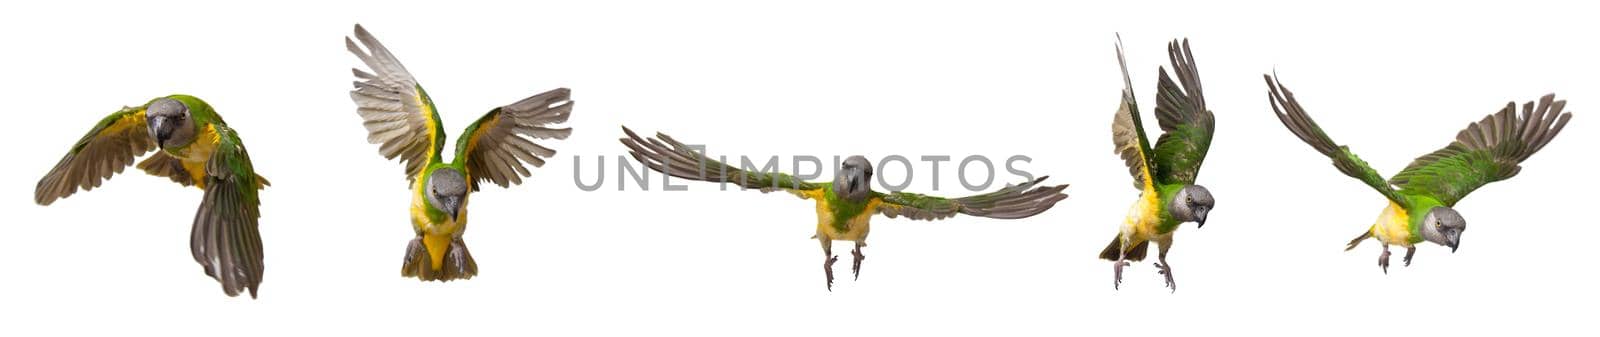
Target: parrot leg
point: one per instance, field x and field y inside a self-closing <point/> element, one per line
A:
<point x="417" y="263"/>
<point x="1409" y="252"/>
<point x="855" y="268"/>
<point x="1383" y="259"/>
<point x="1116" y="268"/>
<point x="1166" y="268"/>
<point x="458" y="262"/>
<point x="829" y="259"/>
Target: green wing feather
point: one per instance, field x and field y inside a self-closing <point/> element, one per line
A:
<point x="667" y="155"/>
<point x="1295" y="118"/>
<point x="226" y="239"/>
<point x="1127" y="130"/>
<point x="494" y="147"/>
<point x="1182" y="113"/>
<point x="1012" y="202"/>
<point x="104" y="151"/>
<point x="396" y="111"/>
<point x="1487" y="151"/>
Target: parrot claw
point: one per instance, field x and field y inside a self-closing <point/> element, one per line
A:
<point x="827" y="269"/>
<point x="1117" y="272"/>
<point x="1409" y="252"/>
<point x="855" y="268"/>
<point x="1383" y="261"/>
<point x="1166" y="270"/>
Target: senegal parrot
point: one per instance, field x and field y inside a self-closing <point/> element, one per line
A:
<point x="1164" y="174"/>
<point x="1487" y="151"/>
<point x="846" y="205"/>
<point x="196" y="149"/>
<point x="399" y="115"/>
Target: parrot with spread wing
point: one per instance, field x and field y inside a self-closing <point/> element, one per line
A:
<point x="196" y="148"/>
<point x="845" y="206"/>
<point x="1422" y="208"/>
<point x="1164" y="174"/>
<point x="399" y="115"/>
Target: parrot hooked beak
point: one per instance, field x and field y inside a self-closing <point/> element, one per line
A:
<point x="452" y="205"/>
<point x="1201" y="214"/>
<point x="1455" y="242"/>
<point x="161" y="129"/>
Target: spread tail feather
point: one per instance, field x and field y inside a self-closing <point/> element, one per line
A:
<point x="1135" y="253"/>
<point x="456" y="265"/>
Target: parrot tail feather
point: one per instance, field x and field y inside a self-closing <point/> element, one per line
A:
<point x="1135" y="253"/>
<point x="1357" y="241"/>
<point x="456" y="265"/>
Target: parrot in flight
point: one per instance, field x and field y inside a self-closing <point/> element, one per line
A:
<point x="196" y="148"/>
<point x="401" y="118"/>
<point x="845" y="206"/>
<point x="1422" y="208"/>
<point x="1164" y="174"/>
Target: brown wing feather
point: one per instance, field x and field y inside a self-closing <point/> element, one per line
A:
<point x="395" y="109"/>
<point x="498" y="144"/>
<point x="1489" y="150"/>
<point x="669" y="156"/>
<point x="105" y="151"/>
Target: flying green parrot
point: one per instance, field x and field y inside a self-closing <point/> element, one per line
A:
<point x="196" y="149"/>
<point x="845" y="206"/>
<point x="1487" y="151"/>
<point x="399" y="115"/>
<point x="1165" y="174"/>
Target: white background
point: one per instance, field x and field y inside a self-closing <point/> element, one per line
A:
<point x="1392" y="82"/>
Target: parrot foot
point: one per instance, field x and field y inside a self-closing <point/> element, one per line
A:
<point x="1383" y="260"/>
<point x="458" y="262"/>
<point x="1166" y="270"/>
<point x="1116" y="270"/>
<point x="855" y="268"/>
<point x="1409" y="252"/>
<point x="827" y="269"/>
<point x="416" y="263"/>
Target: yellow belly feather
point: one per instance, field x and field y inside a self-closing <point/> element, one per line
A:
<point x="1140" y="223"/>
<point x="1393" y="225"/>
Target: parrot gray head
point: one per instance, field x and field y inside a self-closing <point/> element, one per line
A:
<point x="853" y="181"/>
<point x="1443" y="225"/>
<point x="169" y="122"/>
<point x="447" y="190"/>
<point x="1192" y="203"/>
